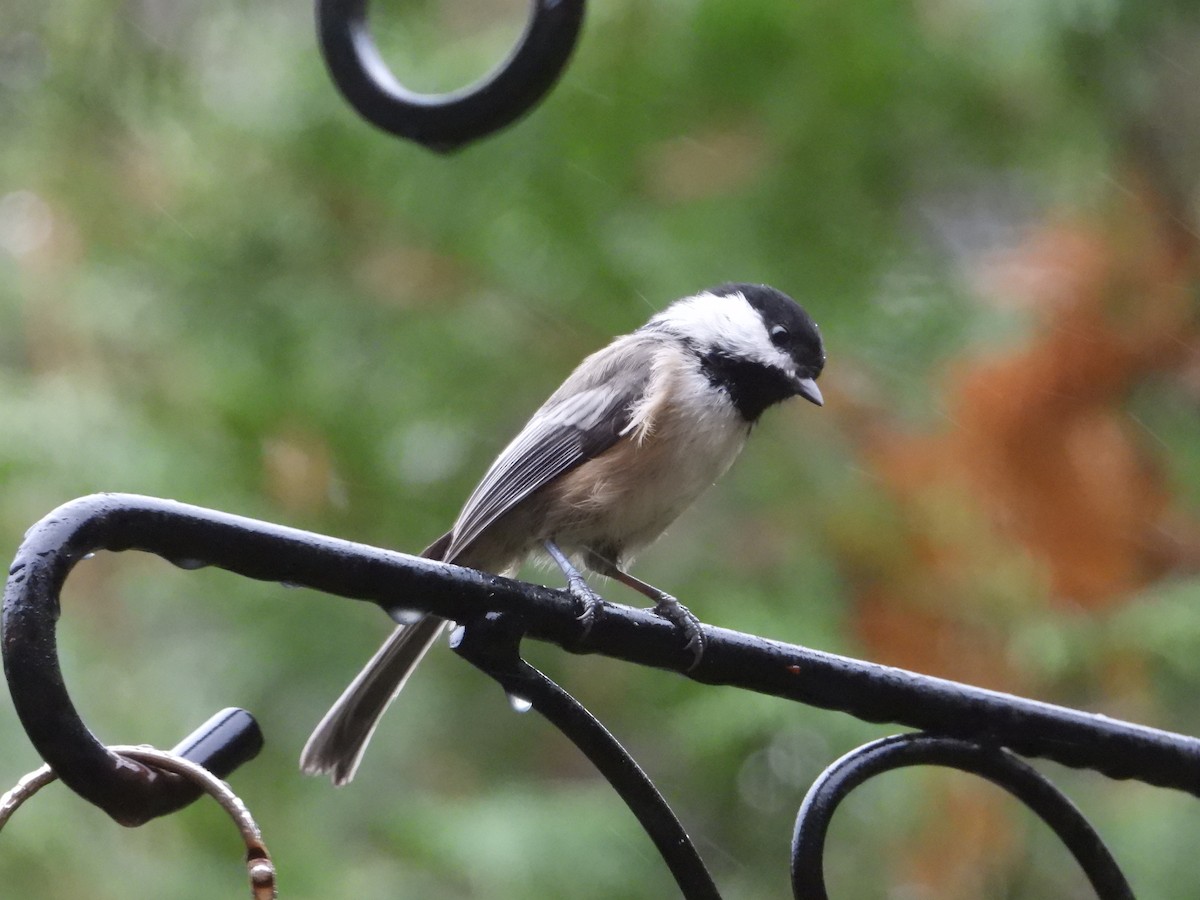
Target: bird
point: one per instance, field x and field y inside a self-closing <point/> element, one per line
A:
<point x="631" y="438"/>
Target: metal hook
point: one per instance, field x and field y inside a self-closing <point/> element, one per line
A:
<point x="259" y="866"/>
<point x="446" y="122"/>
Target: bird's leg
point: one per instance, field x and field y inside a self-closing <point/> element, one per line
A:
<point x="577" y="586"/>
<point x="670" y="609"/>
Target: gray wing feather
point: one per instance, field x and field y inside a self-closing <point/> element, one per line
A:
<point x="581" y="420"/>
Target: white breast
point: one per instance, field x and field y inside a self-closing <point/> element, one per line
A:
<point x="681" y="439"/>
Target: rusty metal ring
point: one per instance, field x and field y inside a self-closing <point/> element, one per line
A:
<point x="259" y="866"/>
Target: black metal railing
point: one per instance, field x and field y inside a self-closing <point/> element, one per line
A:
<point x="976" y="730"/>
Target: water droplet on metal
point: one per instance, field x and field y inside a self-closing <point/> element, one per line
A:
<point x="519" y="704"/>
<point x="187" y="563"/>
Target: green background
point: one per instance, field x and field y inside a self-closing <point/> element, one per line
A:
<point x="218" y="285"/>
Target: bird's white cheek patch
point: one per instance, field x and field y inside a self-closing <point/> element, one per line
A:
<point x="714" y="321"/>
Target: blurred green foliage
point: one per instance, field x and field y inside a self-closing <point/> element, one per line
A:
<point x="217" y="285"/>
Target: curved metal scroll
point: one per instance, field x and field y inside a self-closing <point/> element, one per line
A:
<point x="192" y="537"/>
<point x="993" y="763"/>
<point x="447" y="122"/>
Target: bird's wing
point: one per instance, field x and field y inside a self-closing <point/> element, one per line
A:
<point x="581" y="420"/>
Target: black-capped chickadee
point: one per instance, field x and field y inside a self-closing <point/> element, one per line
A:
<point x="631" y="438"/>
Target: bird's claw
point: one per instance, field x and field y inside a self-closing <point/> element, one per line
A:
<point x="586" y="598"/>
<point x="682" y="618"/>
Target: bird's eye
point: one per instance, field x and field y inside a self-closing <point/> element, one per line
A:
<point x="779" y="335"/>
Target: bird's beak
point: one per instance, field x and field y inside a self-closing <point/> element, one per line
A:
<point x="807" y="388"/>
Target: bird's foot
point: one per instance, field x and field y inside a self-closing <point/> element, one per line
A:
<point x="588" y="599"/>
<point x="682" y="618"/>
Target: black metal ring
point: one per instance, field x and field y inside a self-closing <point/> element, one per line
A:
<point x="996" y="764"/>
<point x="446" y="122"/>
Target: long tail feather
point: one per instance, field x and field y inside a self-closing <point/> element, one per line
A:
<point x="337" y="744"/>
<point x="339" y="740"/>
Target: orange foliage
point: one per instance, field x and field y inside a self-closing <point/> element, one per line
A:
<point x="1041" y="435"/>
<point x="1041" y="472"/>
<point x="1041" y="488"/>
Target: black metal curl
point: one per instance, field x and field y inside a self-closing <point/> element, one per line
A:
<point x="447" y="122"/>
<point x="492" y="645"/>
<point x="995" y="764"/>
<point x="192" y="537"/>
